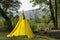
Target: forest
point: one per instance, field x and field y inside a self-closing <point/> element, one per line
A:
<point x="44" y="21"/>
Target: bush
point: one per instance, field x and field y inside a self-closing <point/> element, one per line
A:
<point x="3" y="24"/>
<point x="50" y="25"/>
<point x="38" y="26"/>
<point x="14" y="20"/>
<point x="32" y="24"/>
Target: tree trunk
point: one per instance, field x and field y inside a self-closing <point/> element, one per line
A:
<point x="52" y="14"/>
<point x="56" y="20"/>
<point x="9" y="28"/>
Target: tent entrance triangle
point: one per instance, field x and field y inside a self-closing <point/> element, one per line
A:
<point x="22" y="28"/>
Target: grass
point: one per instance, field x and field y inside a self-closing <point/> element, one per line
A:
<point x="37" y="37"/>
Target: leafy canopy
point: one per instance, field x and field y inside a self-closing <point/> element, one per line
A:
<point x="10" y="4"/>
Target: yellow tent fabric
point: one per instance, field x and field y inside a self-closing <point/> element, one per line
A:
<point x="22" y="28"/>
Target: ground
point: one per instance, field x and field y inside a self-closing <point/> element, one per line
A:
<point x="37" y="37"/>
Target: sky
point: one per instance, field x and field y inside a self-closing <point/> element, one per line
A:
<point x="26" y="5"/>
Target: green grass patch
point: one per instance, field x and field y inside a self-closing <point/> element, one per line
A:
<point x="37" y="37"/>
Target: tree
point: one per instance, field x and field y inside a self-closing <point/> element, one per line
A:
<point x="7" y="19"/>
<point x="6" y="5"/>
<point x="36" y="15"/>
<point x="52" y="10"/>
<point x="58" y="8"/>
<point x="56" y="18"/>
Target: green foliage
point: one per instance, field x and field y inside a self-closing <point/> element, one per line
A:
<point x="58" y="7"/>
<point x="37" y="37"/>
<point x="9" y="4"/>
<point x="32" y="24"/>
<point x="1" y="21"/>
<point x="45" y="19"/>
<point x="59" y="22"/>
<point x="5" y="7"/>
<point x="15" y="20"/>
<point x="51" y="25"/>
<point x="42" y="26"/>
<point x="3" y="24"/>
<point x="38" y="2"/>
<point x="35" y="2"/>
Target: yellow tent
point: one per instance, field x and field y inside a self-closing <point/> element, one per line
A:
<point x="22" y="28"/>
